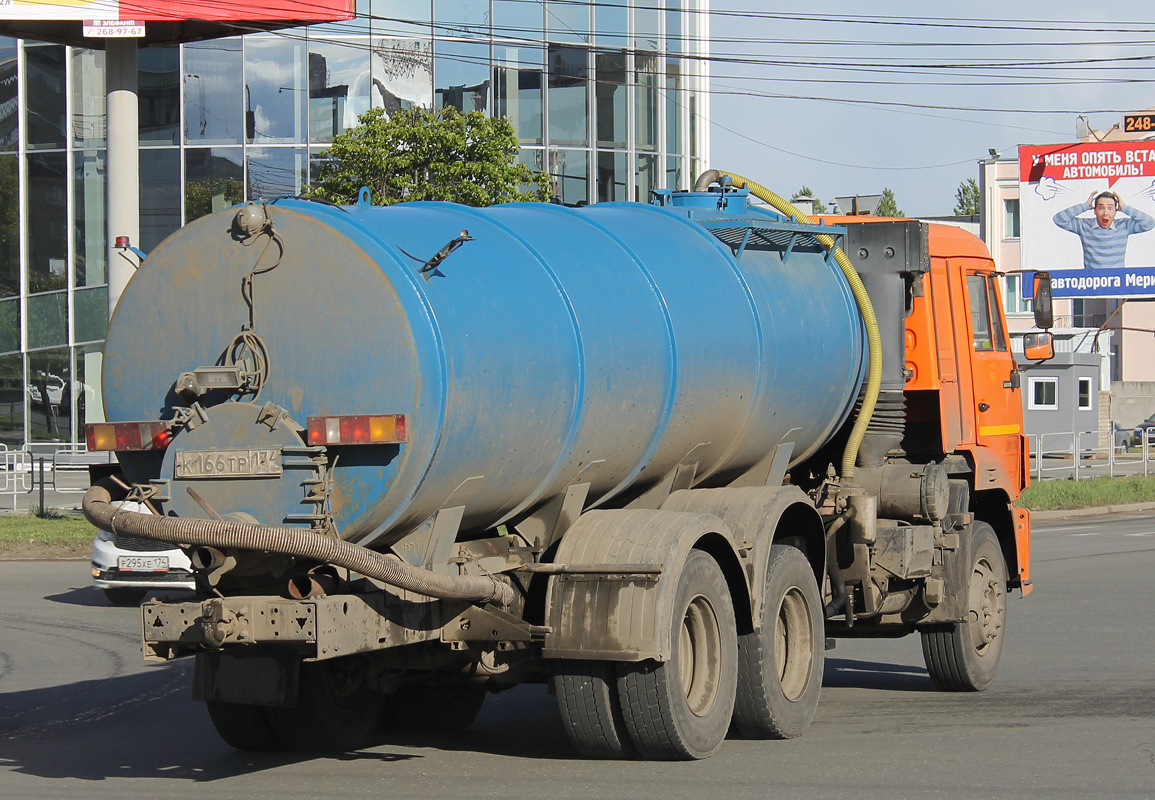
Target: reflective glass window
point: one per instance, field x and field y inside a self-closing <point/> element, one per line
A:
<point x="461" y="18"/>
<point x="646" y="67"/>
<point x="214" y="178"/>
<point x="612" y="23"/>
<point x="89" y="231"/>
<point x="675" y="106"/>
<point x="88" y="364"/>
<point x="49" y="396"/>
<point x="566" y="21"/>
<point x="11" y="399"/>
<point x="48" y="319"/>
<point x="612" y="177"/>
<point x="568" y="95"/>
<point x="47" y="223"/>
<point x="696" y="123"/>
<point x="340" y="86"/>
<point x="159" y="195"/>
<point x="647" y="178"/>
<point x="9" y="225"/>
<point x="212" y="107"/>
<point x="158" y="93"/>
<point x="461" y="70"/>
<point x="674" y="177"/>
<point x="10" y="325"/>
<point x="516" y="19"/>
<point x="569" y="176"/>
<point x="44" y="95"/>
<point x="517" y="88"/>
<point x="89" y="120"/>
<point x="647" y="18"/>
<point x="91" y="313"/>
<point x="674" y="19"/>
<point x="275" y="90"/>
<point x="276" y="172"/>
<point x="9" y="95"/>
<point x="610" y="98"/>
<point x="535" y="160"/>
<point x="402" y="17"/>
<point x="402" y="73"/>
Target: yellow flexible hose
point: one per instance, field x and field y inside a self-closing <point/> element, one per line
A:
<point x="865" y="308"/>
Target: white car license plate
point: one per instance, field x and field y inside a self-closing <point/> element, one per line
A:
<point x="142" y="563"/>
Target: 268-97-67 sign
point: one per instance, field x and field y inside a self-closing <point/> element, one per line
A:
<point x="113" y="28"/>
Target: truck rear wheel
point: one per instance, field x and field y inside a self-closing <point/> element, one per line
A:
<point x="681" y="708"/>
<point x="244" y="727"/>
<point x="587" y="696"/>
<point x="964" y="656"/>
<point x="334" y="712"/>
<point x="780" y="665"/>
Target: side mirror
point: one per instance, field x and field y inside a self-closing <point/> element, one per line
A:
<point x="1038" y="346"/>
<point x="1044" y="307"/>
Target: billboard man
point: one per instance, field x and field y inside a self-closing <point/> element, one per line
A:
<point x="1104" y="238"/>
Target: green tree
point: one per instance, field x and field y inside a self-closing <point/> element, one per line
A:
<point x="887" y="207"/>
<point x="966" y="197"/>
<point x="422" y="154"/>
<point x="805" y="193"/>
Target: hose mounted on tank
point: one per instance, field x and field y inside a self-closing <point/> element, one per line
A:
<point x="865" y="308"/>
<point x="306" y="544"/>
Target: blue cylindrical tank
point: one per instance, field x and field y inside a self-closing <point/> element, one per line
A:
<point x="601" y="345"/>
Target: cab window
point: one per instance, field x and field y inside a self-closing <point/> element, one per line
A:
<point x="986" y="327"/>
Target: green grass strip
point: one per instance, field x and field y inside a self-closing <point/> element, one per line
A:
<point x="1091" y="493"/>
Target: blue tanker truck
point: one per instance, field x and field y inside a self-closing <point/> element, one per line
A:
<point x="653" y="455"/>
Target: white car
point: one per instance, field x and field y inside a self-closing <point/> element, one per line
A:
<point x="127" y="568"/>
<point x="56" y="391"/>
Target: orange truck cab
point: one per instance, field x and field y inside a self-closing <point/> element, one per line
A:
<point x="961" y="384"/>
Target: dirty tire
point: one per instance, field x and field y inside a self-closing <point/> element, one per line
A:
<point x="780" y="666"/>
<point x="433" y="707"/>
<point x="587" y="696"/>
<point x="964" y="656"/>
<point x="123" y="596"/>
<point x="244" y="727"/>
<point x="333" y="714"/>
<point x="681" y="708"/>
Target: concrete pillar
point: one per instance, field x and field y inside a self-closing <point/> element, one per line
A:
<point x="123" y="176"/>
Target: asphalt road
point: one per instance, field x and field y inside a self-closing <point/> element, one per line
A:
<point x="1072" y="714"/>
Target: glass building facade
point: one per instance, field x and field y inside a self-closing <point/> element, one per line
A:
<point x="608" y="97"/>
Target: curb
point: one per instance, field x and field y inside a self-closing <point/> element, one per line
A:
<point x="1098" y="511"/>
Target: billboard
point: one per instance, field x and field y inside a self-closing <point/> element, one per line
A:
<point x="164" y="10"/>
<point x="1087" y="214"/>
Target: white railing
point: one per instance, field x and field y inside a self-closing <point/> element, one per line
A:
<point x="1080" y="455"/>
<point x="15" y="473"/>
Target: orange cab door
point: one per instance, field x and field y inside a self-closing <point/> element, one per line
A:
<point x="995" y="380"/>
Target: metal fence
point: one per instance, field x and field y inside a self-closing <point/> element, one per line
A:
<point x="26" y="476"/>
<point x="1081" y="454"/>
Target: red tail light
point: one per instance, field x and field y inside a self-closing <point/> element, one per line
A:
<point x="359" y="429"/>
<point x="127" y="435"/>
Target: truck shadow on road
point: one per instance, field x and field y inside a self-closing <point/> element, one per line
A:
<point x="853" y="674"/>
<point x="145" y="726"/>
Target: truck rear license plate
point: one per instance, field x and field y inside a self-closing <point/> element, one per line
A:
<point x="142" y="563"/>
<point x="255" y="463"/>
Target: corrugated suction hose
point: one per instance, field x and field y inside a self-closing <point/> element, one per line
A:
<point x="224" y="534"/>
<point x="865" y="308"/>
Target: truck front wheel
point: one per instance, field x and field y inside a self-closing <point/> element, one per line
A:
<point x="964" y="656"/>
<point x="780" y="665"/>
<point x="681" y="708"/>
